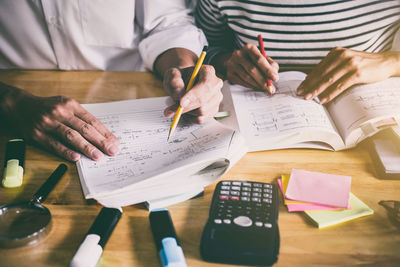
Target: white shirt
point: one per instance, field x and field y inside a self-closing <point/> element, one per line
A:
<point x="117" y="35"/>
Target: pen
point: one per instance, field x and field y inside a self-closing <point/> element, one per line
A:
<point x="188" y="87"/>
<point x="89" y="252"/>
<point x="261" y="44"/>
<point x="14" y="163"/>
<point x="168" y="248"/>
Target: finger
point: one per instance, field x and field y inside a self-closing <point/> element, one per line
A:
<point x="320" y="71"/>
<point x="77" y="142"/>
<point x="169" y="112"/>
<point x="110" y="143"/>
<point x="327" y="81"/>
<point x="337" y="88"/>
<point x="253" y="71"/>
<point x="237" y="79"/>
<point x="207" y="87"/>
<point x="174" y="83"/>
<point x="267" y="71"/>
<point x="244" y="76"/>
<point x="91" y="134"/>
<point x="55" y="146"/>
<point x="208" y="109"/>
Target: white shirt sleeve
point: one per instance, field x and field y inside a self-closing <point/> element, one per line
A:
<point x="167" y="24"/>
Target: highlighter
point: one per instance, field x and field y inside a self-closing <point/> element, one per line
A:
<point x="90" y="250"/>
<point x="169" y="251"/>
<point x="14" y="163"/>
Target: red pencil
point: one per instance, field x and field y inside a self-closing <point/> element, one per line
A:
<point x="261" y="44"/>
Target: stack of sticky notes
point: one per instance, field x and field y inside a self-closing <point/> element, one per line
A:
<point x="325" y="198"/>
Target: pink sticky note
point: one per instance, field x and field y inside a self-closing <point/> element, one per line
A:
<point x="319" y="188"/>
<point x="306" y="206"/>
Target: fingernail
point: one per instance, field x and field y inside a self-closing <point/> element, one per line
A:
<point x="75" y="156"/>
<point x="185" y="103"/>
<point x="323" y="100"/>
<point x="308" y="96"/>
<point x="113" y="149"/>
<point x="96" y="154"/>
<point x="300" y="91"/>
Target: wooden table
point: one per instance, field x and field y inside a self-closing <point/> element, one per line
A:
<point x="372" y="240"/>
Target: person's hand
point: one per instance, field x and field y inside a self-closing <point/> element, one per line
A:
<point x="202" y="101"/>
<point x="249" y="68"/>
<point x="342" y="68"/>
<point x="61" y="125"/>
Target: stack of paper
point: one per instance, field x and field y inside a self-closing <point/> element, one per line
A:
<point x="325" y="198"/>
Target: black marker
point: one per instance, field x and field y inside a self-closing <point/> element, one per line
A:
<point x="89" y="252"/>
<point x="168" y="248"/>
<point x="14" y="163"/>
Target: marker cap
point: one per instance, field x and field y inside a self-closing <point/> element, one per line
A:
<point x="14" y="163"/>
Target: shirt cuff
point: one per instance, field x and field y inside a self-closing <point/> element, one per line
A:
<point x="189" y="37"/>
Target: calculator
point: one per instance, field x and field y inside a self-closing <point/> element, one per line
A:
<point x="242" y="227"/>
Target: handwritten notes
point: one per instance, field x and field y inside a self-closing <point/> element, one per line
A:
<point x="144" y="151"/>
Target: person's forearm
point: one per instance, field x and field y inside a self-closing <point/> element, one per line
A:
<point x="175" y="57"/>
<point x="394" y="59"/>
<point x="7" y="98"/>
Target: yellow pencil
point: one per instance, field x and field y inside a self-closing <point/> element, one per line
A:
<point x="189" y="86"/>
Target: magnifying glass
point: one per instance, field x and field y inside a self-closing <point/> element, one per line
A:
<point x="26" y="223"/>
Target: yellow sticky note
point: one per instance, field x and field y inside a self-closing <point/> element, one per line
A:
<point x="324" y="218"/>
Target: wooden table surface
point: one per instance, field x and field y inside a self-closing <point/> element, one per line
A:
<point x="373" y="240"/>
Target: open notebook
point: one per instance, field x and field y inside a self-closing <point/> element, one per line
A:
<point x="286" y="120"/>
<point x="148" y="168"/>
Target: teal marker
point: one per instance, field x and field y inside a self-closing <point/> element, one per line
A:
<point x="14" y="163"/>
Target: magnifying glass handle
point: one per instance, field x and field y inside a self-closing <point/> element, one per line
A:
<point x="46" y="188"/>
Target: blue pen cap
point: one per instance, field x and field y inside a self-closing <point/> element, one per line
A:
<point x="171" y="254"/>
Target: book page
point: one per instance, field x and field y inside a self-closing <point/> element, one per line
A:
<point x="144" y="151"/>
<point x="365" y="103"/>
<point x="284" y="119"/>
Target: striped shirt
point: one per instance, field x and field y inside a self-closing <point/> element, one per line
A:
<point x="299" y="33"/>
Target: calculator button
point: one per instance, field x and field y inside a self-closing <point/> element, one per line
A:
<point x="243" y="221"/>
<point x="235" y="187"/>
<point x="235" y="198"/>
<point x="245" y="193"/>
<point x="227" y="221"/>
<point x="266" y="200"/>
<point x="226" y="183"/>
<point x="267" y="186"/>
<point x="224" y="192"/>
<point x="236" y="183"/>
<point x="267" y="195"/>
<point x="246" y="189"/>
<point x="245" y="198"/>
<point x="268" y="225"/>
<point x="259" y="224"/>
<point x="225" y="187"/>
<point x="234" y="193"/>
<point x="246" y="184"/>
<point x="257" y="190"/>
<point x="257" y="185"/>
<point x="218" y="221"/>
<point x="223" y="197"/>
<point x="256" y="199"/>
<point x="256" y="195"/>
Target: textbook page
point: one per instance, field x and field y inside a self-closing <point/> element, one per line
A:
<point x="365" y="109"/>
<point x="146" y="160"/>
<point x="283" y="120"/>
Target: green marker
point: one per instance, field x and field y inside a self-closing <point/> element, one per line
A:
<point x="14" y="163"/>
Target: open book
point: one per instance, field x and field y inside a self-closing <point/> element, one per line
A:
<point x="148" y="168"/>
<point x="286" y="120"/>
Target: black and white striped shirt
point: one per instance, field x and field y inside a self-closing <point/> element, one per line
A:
<point x="298" y="34"/>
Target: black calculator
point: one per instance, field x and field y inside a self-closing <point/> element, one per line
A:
<point x="242" y="227"/>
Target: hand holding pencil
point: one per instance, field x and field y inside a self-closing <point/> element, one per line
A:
<point x="250" y="67"/>
<point x="200" y="98"/>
